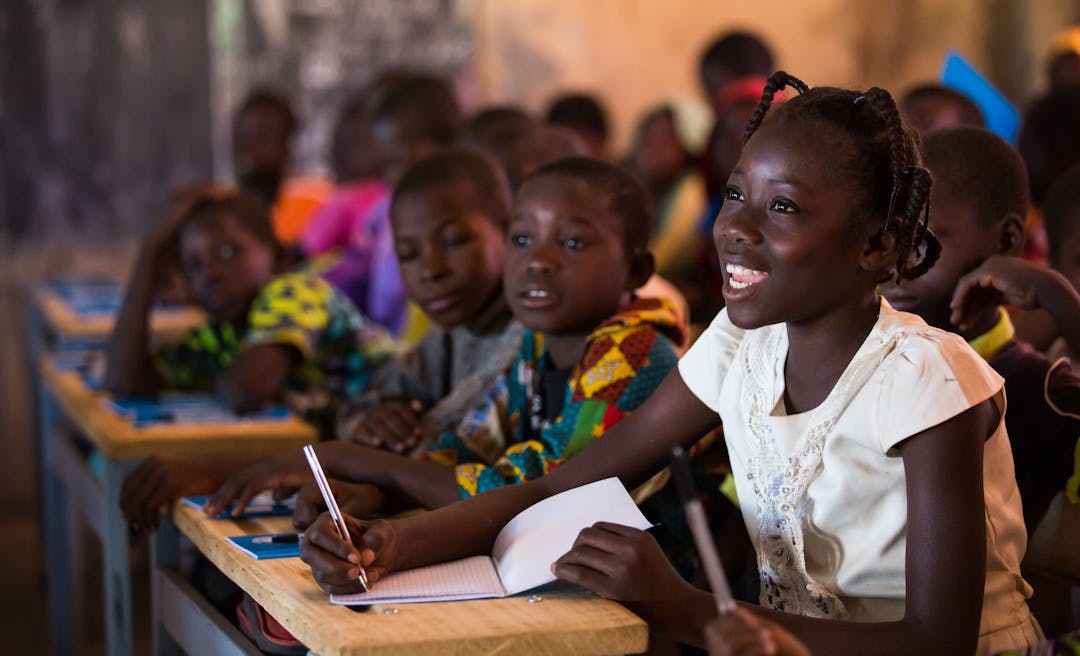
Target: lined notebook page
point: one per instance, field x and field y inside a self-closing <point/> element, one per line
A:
<point x="469" y="578"/>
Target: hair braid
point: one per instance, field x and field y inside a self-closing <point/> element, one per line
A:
<point x="776" y="82"/>
<point x="910" y="197"/>
<point x="918" y="208"/>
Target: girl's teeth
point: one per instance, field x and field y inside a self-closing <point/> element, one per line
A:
<point x="740" y="277"/>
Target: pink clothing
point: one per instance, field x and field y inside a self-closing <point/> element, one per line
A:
<point x="337" y="223"/>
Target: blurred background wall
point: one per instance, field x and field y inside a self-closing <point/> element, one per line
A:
<point x="107" y="104"/>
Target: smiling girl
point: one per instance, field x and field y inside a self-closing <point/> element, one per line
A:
<point x="868" y="449"/>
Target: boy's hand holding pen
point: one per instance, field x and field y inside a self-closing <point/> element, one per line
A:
<point x="330" y="543"/>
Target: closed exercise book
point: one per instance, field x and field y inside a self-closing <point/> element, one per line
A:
<point x="523" y="553"/>
<point x="261" y="505"/>
<point x="183" y="408"/>
<point x="265" y="547"/>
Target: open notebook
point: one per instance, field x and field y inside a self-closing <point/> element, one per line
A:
<point x="523" y="554"/>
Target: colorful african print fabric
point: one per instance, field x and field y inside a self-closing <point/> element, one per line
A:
<point x="339" y="350"/>
<point x="506" y="439"/>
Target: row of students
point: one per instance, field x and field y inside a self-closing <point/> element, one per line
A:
<point x="869" y="450"/>
<point x="785" y="231"/>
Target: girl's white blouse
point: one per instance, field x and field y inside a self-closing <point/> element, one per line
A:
<point x="823" y="492"/>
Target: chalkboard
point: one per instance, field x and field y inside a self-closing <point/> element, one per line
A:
<point x="320" y="52"/>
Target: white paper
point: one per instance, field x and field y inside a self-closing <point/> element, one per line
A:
<point x="523" y="553"/>
<point x="469" y="578"/>
<point x="542" y="533"/>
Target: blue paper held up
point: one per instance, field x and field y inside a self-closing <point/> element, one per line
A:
<point x="1002" y="117"/>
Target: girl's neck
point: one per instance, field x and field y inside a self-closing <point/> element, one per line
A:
<point x="565" y="351"/>
<point x="820" y="350"/>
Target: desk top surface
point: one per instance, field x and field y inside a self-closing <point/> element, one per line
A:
<point x="117" y="437"/>
<point x="565" y="621"/>
<point x="94" y="322"/>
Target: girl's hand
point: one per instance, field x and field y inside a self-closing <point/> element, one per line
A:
<point x="621" y="563"/>
<point x="283" y="473"/>
<point x="740" y="634"/>
<point x="335" y="564"/>
<point x="391" y="425"/>
<point x="356" y="499"/>
<point x="1002" y="279"/>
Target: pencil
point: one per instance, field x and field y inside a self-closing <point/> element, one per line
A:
<point x="699" y="527"/>
<point x="331" y="504"/>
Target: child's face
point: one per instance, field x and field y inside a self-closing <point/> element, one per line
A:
<point x="659" y="157"/>
<point x="965" y="244"/>
<point x="784" y="235"/>
<point x="395" y="152"/>
<point x="566" y="265"/>
<point x="260" y="144"/>
<point x="451" y="254"/>
<point x="1066" y="255"/>
<point x="225" y="267"/>
<point x="352" y="151"/>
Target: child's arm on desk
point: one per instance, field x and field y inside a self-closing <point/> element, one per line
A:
<point x="634" y="449"/>
<point x="1022" y="284"/>
<point x="411" y="482"/>
<point x="157" y="481"/>
<point x="255" y="378"/>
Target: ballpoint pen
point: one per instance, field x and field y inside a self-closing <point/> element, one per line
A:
<point x="331" y="504"/>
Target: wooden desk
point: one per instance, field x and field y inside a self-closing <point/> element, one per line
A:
<point x="74" y="493"/>
<point x="67" y="326"/>
<point x="565" y="621"/>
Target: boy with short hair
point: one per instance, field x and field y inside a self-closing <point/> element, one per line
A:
<point x="415" y="116"/>
<point x="978" y="203"/>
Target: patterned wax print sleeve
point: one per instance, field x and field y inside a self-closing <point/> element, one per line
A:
<point x="479" y="439"/>
<point x="292" y="309"/>
<point x="340" y="351"/>
<point x="195" y="361"/>
<point x="620" y="369"/>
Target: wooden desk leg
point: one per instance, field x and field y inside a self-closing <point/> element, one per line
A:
<point x="118" y="624"/>
<point x="164" y="557"/>
<point x="56" y="526"/>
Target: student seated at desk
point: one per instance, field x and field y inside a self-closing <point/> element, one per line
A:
<point x="868" y="449"/>
<point x="591" y="353"/>
<point x="449" y="216"/>
<point x="271" y="335"/>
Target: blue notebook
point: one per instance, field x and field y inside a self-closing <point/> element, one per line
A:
<point x="270" y="545"/>
<point x="262" y="505"/>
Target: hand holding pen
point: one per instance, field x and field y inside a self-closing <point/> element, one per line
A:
<point x="332" y="506"/>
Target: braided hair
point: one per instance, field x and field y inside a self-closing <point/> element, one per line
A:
<point x="884" y="161"/>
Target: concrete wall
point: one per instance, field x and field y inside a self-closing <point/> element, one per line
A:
<point x="635" y="53"/>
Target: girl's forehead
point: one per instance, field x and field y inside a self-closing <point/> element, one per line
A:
<point x="215" y="227"/>
<point x="808" y="150"/>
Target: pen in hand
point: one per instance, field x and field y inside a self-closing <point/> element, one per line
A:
<point x="331" y="505"/>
